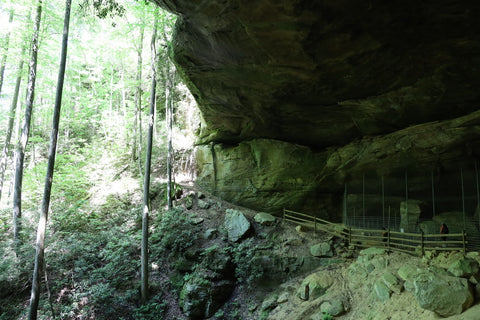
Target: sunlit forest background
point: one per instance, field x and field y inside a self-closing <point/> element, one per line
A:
<point x="95" y="208"/>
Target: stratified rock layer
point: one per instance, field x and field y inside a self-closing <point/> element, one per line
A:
<point x="355" y="87"/>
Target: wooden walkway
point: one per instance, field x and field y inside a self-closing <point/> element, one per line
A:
<point x="413" y="243"/>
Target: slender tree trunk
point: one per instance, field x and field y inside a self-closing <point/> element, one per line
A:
<point x="4" y="58"/>
<point x="11" y="120"/>
<point x="169" y="120"/>
<point x="137" y="128"/>
<point x="169" y="80"/>
<point x="111" y="89"/>
<point x="42" y="224"/>
<point x="20" y="152"/>
<point x="140" y="140"/>
<point x="124" y="108"/>
<point x="148" y="158"/>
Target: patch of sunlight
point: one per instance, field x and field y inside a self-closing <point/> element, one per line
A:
<point x="111" y="180"/>
<point x="181" y="141"/>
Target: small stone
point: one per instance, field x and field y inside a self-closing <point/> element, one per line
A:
<point x="283" y="298"/>
<point x="321" y="250"/>
<point x="333" y="308"/>
<point x="391" y="282"/>
<point x="203" y="204"/>
<point x="269" y="303"/>
<point x="379" y="262"/>
<point x="371" y="252"/>
<point x="196" y="221"/>
<point x="406" y="272"/>
<point x="264" y="219"/>
<point x="301" y="228"/>
<point x="382" y="291"/>
<point x="210" y="234"/>
<point x="293" y="242"/>
<point x="314" y="286"/>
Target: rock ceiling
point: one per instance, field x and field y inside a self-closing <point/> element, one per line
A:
<point x="347" y="80"/>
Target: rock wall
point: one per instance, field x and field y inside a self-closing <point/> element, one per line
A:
<point x="341" y="88"/>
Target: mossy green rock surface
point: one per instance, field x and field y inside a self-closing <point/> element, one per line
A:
<point x="237" y="224"/>
<point x="445" y="295"/>
<point x="349" y="88"/>
<point x="314" y="286"/>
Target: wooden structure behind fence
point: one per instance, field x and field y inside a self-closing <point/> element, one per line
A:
<point x="415" y="243"/>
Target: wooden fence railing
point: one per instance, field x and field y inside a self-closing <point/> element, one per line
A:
<point x="392" y="240"/>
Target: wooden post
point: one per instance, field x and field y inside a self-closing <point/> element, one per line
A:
<point x="349" y="235"/>
<point x="406" y="185"/>
<point x="383" y="202"/>
<point x="388" y="217"/>
<point x="345" y="195"/>
<point x="363" y="198"/>
<point x="354" y="215"/>
<point x="463" y="198"/>
<point x="433" y="195"/>
<point x="406" y="191"/>
<point x="422" y="244"/>
<point x="388" y="240"/>
<point x="478" y="190"/>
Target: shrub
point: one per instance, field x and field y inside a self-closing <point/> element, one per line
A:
<point x="154" y="310"/>
<point x="174" y="233"/>
<point x="248" y="264"/>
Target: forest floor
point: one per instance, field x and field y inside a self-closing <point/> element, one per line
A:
<point x="362" y="303"/>
<point x="93" y="262"/>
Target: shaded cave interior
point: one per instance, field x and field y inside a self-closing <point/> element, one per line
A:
<point x="374" y="201"/>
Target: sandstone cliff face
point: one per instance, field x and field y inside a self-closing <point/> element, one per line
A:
<point x="326" y="91"/>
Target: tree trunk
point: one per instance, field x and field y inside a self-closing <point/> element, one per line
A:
<point x="4" y="58"/>
<point x="11" y="120"/>
<point x="146" y="184"/>
<point x="22" y="144"/>
<point x="169" y="120"/>
<point x="39" y="254"/>
<point x="137" y="128"/>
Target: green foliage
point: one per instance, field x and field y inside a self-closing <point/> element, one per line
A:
<point x="230" y="311"/>
<point x="99" y="273"/>
<point x="4" y="223"/>
<point x="327" y="316"/>
<point x="248" y="263"/>
<point x="92" y="249"/>
<point x="175" y="232"/>
<point x="104" y="8"/>
<point x="154" y="310"/>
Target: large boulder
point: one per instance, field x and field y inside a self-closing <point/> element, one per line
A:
<point x="323" y="249"/>
<point x="410" y="211"/>
<point x="444" y="294"/>
<point x="314" y="286"/>
<point x="200" y="298"/>
<point x="457" y="222"/>
<point x="209" y="285"/>
<point x="464" y="267"/>
<point x="381" y="290"/>
<point x="237" y="224"/>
